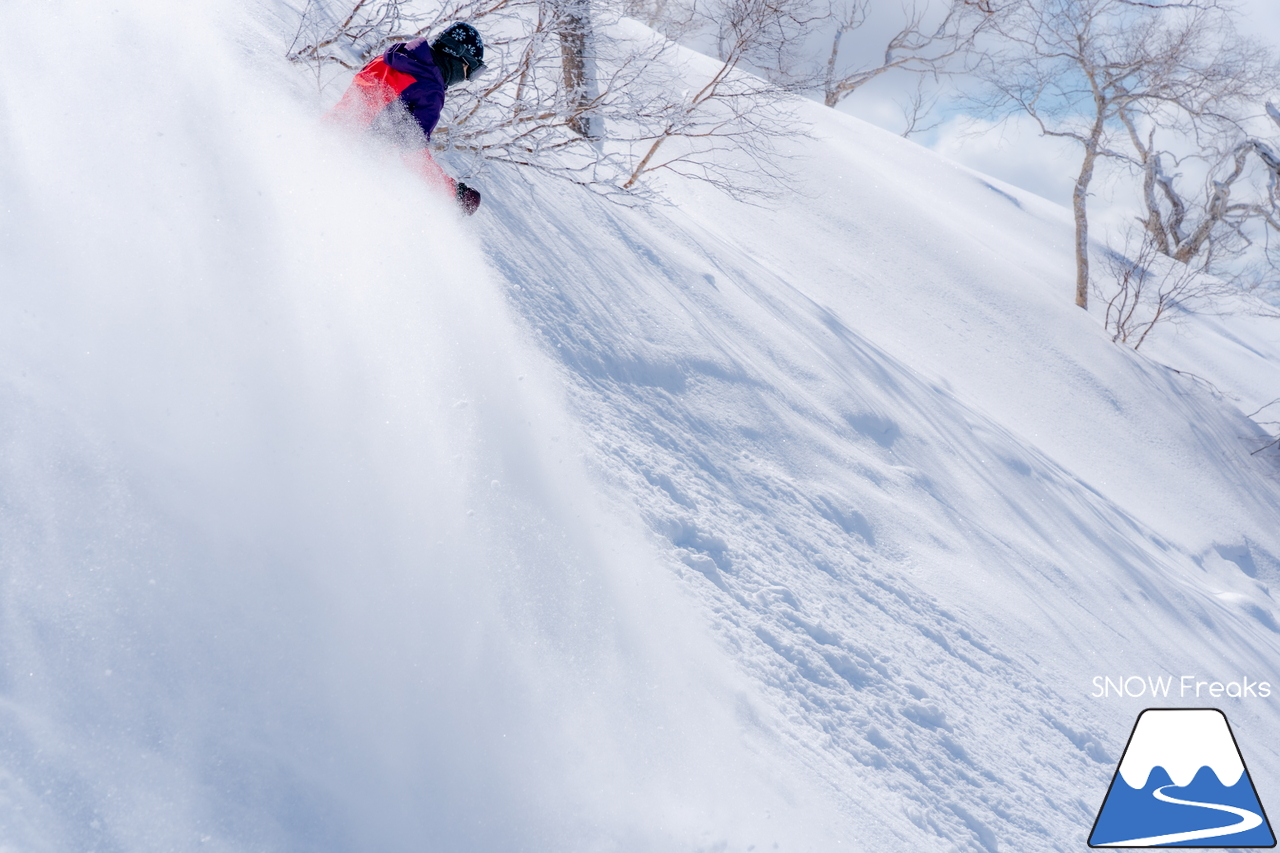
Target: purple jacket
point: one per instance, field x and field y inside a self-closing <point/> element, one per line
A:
<point x="423" y="98"/>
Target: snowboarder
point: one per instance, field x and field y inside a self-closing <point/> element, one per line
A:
<point x="400" y="95"/>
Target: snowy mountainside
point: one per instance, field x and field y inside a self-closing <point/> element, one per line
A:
<point x="291" y="557"/>
<point x="923" y="498"/>
<point x="331" y="521"/>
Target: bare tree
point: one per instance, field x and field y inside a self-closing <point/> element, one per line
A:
<point x="1207" y="223"/>
<point x="577" y="47"/>
<point x="805" y="45"/>
<point x="1274" y="442"/>
<point x="1088" y="70"/>
<point x="925" y="44"/>
<point x="1146" y="288"/>
<point x="602" y="112"/>
<point x="918" y="107"/>
<point x="328" y="34"/>
<point x="732" y="103"/>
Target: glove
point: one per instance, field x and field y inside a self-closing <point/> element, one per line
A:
<point x="468" y="199"/>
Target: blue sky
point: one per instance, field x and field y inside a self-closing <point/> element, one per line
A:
<point x="1015" y="152"/>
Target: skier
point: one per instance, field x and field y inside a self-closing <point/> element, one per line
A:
<point x="400" y="95"/>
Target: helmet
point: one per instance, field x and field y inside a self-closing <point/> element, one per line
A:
<point x="463" y="42"/>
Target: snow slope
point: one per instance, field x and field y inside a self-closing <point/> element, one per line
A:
<point x="328" y="521"/>
<point x="923" y="497"/>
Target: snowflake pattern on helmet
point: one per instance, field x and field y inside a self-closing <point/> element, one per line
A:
<point x="464" y="42"/>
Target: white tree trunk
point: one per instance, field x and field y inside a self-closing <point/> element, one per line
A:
<point x="1079" y="197"/>
<point x="578" y="60"/>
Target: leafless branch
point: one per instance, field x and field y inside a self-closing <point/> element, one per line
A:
<point x="1147" y="288"/>
<point x="1113" y="76"/>
<point x="602" y="112"/>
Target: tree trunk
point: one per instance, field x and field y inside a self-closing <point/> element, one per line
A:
<point x="1078" y="200"/>
<point x="579" y="66"/>
<point x="831" y="96"/>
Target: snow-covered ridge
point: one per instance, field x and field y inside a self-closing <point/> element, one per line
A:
<point x="1181" y="741"/>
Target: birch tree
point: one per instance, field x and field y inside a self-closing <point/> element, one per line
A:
<point x="1212" y="205"/>
<point x="602" y="112"/>
<point x="578" y="59"/>
<point x="1090" y="70"/>
<point x="928" y="42"/>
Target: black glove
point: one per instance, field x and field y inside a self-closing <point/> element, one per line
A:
<point x="468" y="199"/>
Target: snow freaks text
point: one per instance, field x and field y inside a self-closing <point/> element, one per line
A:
<point x="1181" y="687"/>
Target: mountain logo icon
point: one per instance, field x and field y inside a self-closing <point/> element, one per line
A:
<point x="1181" y="783"/>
